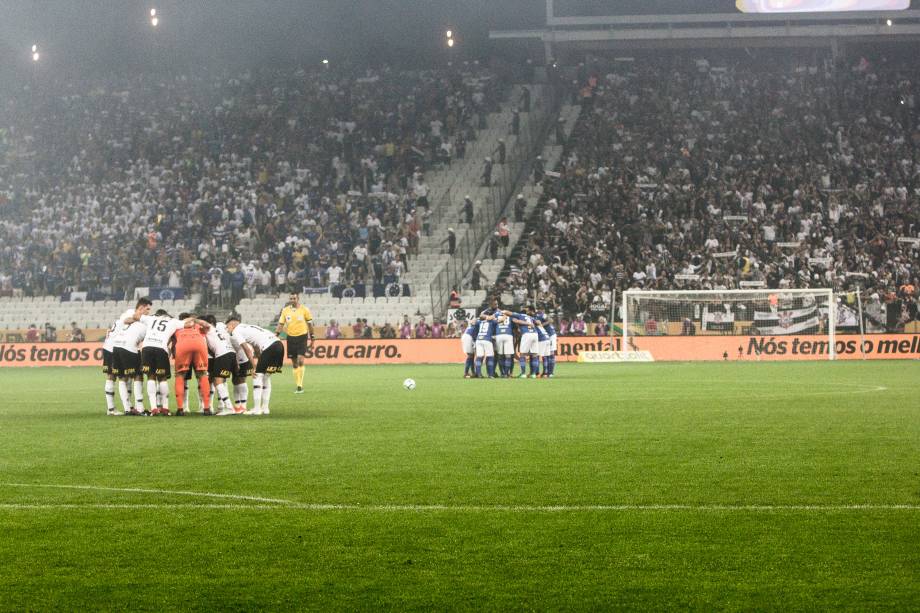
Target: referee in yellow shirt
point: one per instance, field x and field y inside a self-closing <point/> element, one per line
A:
<point x="297" y="321"/>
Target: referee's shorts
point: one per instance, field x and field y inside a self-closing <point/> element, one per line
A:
<point x="296" y="345"/>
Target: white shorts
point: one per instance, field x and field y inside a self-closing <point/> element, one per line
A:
<point x="466" y="341"/>
<point x="484" y="349"/>
<point x="544" y="348"/>
<point x="530" y="343"/>
<point x="552" y="345"/>
<point x="504" y="344"/>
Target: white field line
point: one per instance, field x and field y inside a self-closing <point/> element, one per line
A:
<point x="438" y="508"/>
<point x="260" y="503"/>
<point x="137" y="490"/>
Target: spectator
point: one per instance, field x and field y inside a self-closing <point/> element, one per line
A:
<point x="49" y="335"/>
<point x="32" y="335"/>
<point x="602" y="328"/>
<point x="467" y="209"/>
<point x="387" y="331"/>
<point x="578" y="327"/>
<point x="422" y="329"/>
<point x="405" y="329"/>
<point x="476" y="276"/>
<point x="451" y="241"/>
<point x="538" y="170"/>
<point x="486" y="178"/>
<point x="520" y="206"/>
<point x="501" y="151"/>
<point x="76" y="334"/>
<point x="333" y="331"/>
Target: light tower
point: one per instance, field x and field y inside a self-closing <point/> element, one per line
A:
<point x="154" y="18"/>
<point x="35" y="54"/>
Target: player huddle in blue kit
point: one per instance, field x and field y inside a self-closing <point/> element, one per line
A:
<point x="498" y="335"/>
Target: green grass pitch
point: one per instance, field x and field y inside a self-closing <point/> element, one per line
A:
<point x="736" y="486"/>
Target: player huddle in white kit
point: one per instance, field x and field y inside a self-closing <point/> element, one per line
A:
<point x="139" y="344"/>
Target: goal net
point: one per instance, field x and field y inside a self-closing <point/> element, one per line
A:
<point x="760" y="313"/>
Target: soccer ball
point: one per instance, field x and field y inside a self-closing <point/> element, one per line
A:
<point x="409" y="384"/>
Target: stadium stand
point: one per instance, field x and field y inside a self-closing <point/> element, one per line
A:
<point x="686" y="175"/>
<point x="670" y="173"/>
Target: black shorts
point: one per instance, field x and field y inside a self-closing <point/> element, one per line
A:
<point x="106" y="361"/>
<point x="125" y="363"/>
<point x="271" y="360"/>
<point x="296" y="345"/>
<point x="243" y="369"/>
<point x="155" y="363"/>
<point x="224" y="367"/>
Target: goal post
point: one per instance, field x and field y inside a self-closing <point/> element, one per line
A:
<point x="742" y="312"/>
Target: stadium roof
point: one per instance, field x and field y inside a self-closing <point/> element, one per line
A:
<point x="572" y="32"/>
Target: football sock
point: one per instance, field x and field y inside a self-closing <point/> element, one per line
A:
<point x="545" y="361"/>
<point x="205" y="386"/>
<point x="257" y="391"/>
<point x="109" y="395"/>
<point x="298" y="376"/>
<point x="534" y="365"/>
<point x="181" y="393"/>
<point x="490" y="365"/>
<point x="478" y="370"/>
<point x="523" y="361"/>
<point x="469" y="365"/>
<point x="123" y="393"/>
<point x="224" y="396"/>
<point x="507" y="365"/>
<point x="153" y="394"/>
<point x="138" y="395"/>
<point x="242" y="394"/>
<point x="552" y="365"/>
<point x="266" y="391"/>
<point x="164" y="394"/>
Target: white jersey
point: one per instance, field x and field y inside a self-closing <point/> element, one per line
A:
<point x="109" y="343"/>
<point x="255" y="336"/>
<point x="160" y="330"/>
<point x="219" y="341"/>
<point x="123" y="334"/>
<point x="133" y="337"/>
<point x="241" y="357"/>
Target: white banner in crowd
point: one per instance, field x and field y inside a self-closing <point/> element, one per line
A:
<point x="718" y="319"/>
<point x="791" y="321"/>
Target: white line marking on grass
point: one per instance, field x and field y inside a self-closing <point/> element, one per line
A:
<point x="261" y="503"/>
<point x="137" y="490"/>
<point x="439" y="508"/>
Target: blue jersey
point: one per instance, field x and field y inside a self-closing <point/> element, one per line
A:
<point x="504" y="328"/>
<point x="485" y="330"/>
<point x="525" y="327"/>
<point x="550" y="329"/>
<point x="541" y="333"/>
<point x="471" y="330"/>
